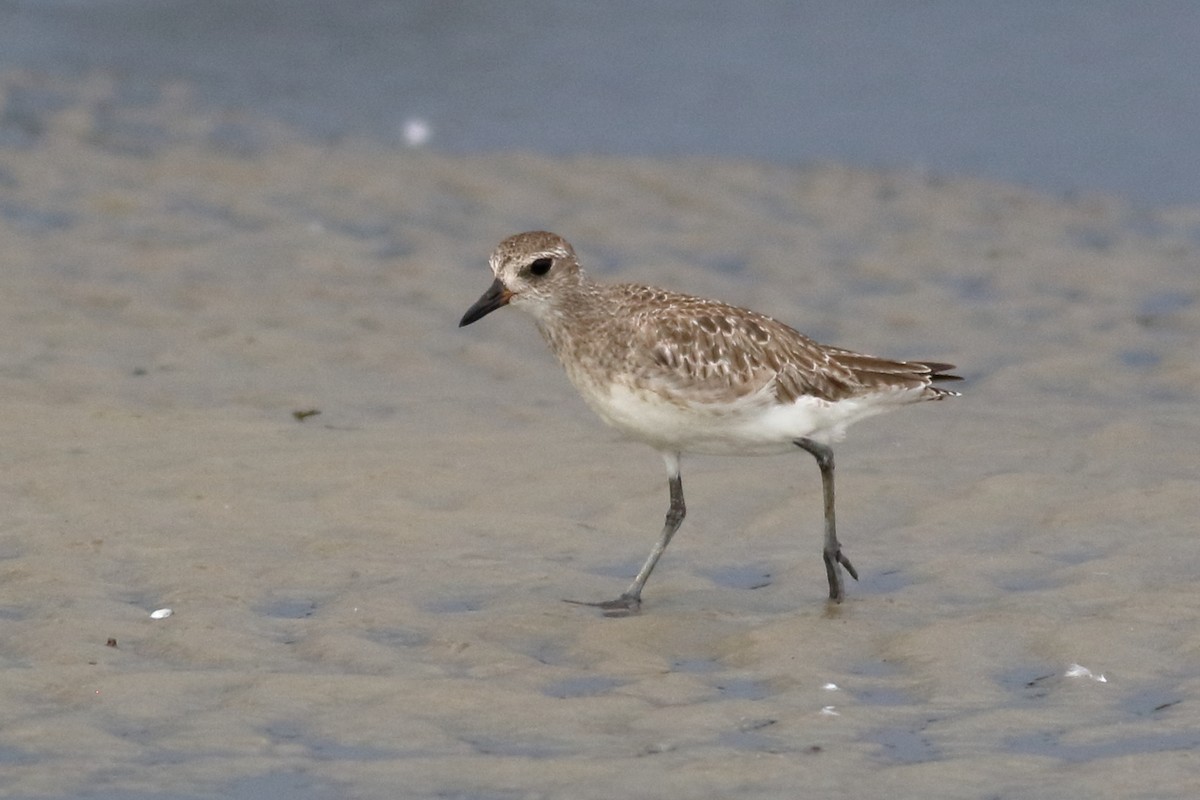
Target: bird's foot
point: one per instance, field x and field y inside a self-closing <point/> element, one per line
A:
<point x="834" y="573"/>
<point x="624" y="606"/>
<point x="845" y="562"/>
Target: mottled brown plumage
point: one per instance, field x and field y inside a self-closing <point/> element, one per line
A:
<point x="686" y="374"/>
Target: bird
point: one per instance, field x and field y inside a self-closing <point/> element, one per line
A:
<point x="690" y="375"/>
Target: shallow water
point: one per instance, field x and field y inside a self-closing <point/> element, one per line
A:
<point x="367" y="602"/>
<point x="1069" y="97"/>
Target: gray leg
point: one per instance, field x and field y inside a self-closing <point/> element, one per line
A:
<point x="631" y="599"/>
<point x="833" y="551"/>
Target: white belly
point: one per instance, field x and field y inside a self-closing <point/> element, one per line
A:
<point x="752" y="425"/>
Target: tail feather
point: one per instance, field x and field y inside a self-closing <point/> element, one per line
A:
<point x="938" y="371"/>
<point x="941" y="372"/>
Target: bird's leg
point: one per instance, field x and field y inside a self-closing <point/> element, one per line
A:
<point x="833" y="550"/>
<point x="630" y="600"/>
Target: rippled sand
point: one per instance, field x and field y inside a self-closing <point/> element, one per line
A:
<point x="367" y="601"/>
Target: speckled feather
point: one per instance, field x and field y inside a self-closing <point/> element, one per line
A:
<point x="688" y="375"/>
<point x="701" y="357"/>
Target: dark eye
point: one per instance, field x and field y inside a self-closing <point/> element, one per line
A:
<point x="541" y="266"/>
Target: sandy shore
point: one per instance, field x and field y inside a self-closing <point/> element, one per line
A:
<point x="367" y="602"/>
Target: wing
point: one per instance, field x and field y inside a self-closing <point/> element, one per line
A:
<point x="695" y="351"/>
<point x="875" y="374"/>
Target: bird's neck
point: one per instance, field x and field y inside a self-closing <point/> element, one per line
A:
<point x="574" y="313"/>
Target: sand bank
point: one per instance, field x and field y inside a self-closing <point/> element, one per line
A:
<point x="366" y="602"/>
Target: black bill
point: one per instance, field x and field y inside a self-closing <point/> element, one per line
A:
<point x="493" y="298"/>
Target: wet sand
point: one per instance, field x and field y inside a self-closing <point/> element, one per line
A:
<point x="367" y="601"/>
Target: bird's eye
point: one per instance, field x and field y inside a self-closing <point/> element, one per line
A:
<point x="541" y="266"/>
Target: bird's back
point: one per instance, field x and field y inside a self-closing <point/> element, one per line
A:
<point x="699" y="373"/>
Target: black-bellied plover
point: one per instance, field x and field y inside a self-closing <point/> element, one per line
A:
<point x="689" y="375"/>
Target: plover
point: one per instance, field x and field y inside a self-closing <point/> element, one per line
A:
<point x="689" y="375"/>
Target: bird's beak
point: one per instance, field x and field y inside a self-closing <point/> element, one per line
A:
<point x="493" y="298"/>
